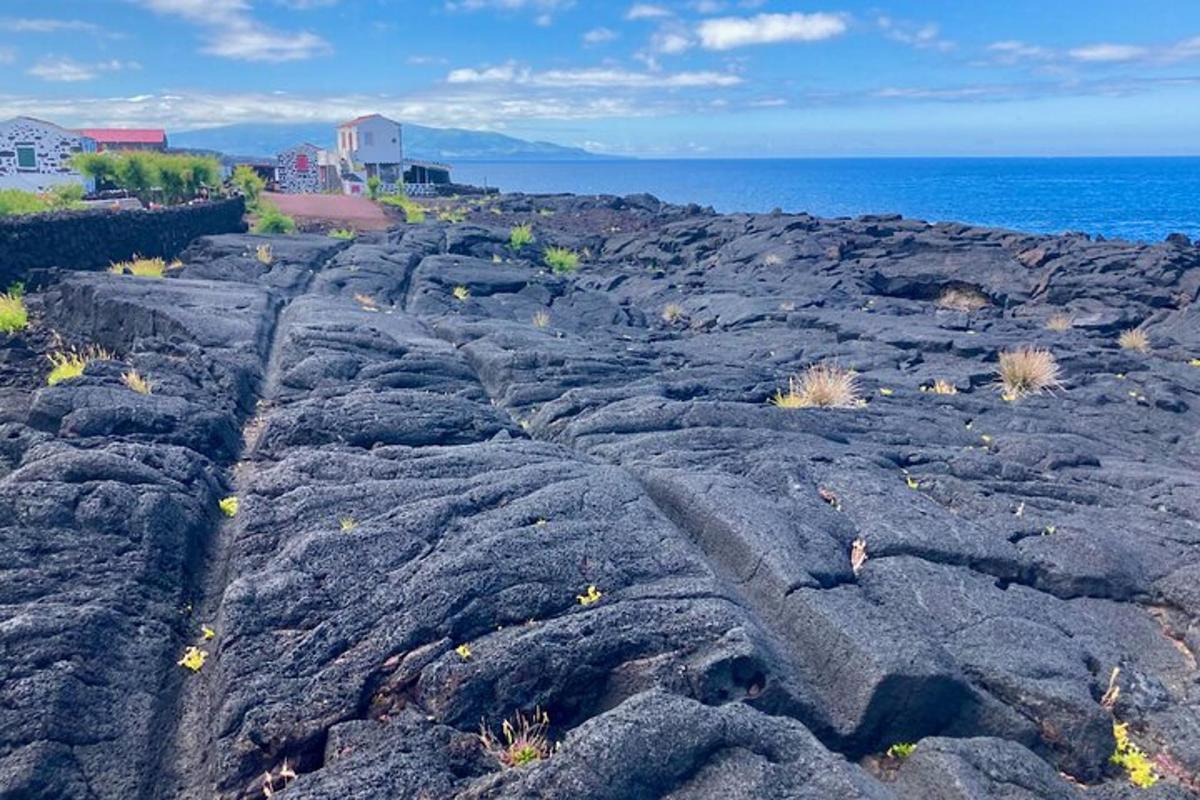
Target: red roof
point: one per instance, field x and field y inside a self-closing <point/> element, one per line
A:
<point x="357" y="120"/>
<point x="126" y="135"/>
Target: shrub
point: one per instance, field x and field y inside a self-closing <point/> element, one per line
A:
<point x="1134" y="339"/>
<point x="672" y="313"/>
<point x="65" y="196"/>
<point x="15" y="201"/>
<point x="135" y="382"/>
<point x="962" y="298"/>
<point x="821" y="386"/>
<point x="1027" y="370"/>
<point x="374" y="187"/>
<point x="520" y="236"/>
<point x="561" y="260"/>
<point x="1060" y="322"/>
<point x="273" y="221"/>
<point x="141" y="267"/>
<point x="69" y="364"/>
<point x="346" y="234"/>
<point x="521" y="742"/>
<point x="249" y="183"/>
<point x="14" y="317"/>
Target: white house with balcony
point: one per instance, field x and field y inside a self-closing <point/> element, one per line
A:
<point x="35" y="155"/>
<point x="373" y="146"/>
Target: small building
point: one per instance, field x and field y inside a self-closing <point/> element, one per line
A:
<point x="371" y="147"/>
<point x="127" y="138"/>
<point x="35" y="155"/>
<point x="423" y="177"/>
<point x="298" y="170"/>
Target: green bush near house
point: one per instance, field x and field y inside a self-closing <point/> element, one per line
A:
<point x="374" y="187"/>
<point x="561" y="260"/>
<point x="273" y="221"/>
<point x="249" y="183"/>
<point x="168" y="178"/>
<point x="15" y="201"/>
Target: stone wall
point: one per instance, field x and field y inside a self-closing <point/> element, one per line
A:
<point x="92" y="240"/>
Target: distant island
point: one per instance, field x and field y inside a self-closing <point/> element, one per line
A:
<point x="420" y="142"/>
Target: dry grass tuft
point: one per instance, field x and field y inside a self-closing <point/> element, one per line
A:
<point x="1027" y="370"/>
<point x="541" y="319"/>
<point x="366" y="301"/>
<point x="1060" y="322"/>
<point x="134" y="381"/>
<point x="461" y="293"/>
<point x="1134" y="339"/>
<point x="66" y="365"/>
<point x="821" y="386"/>
<point x="522" y="742"/>
<point x="141" y="267"/>
<point x="264" y="255"/>
<point x="673" y="312"/>
<point x="941" y="386"/>
<point x="962" y="298"/>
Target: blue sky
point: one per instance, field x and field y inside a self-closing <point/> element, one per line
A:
<point x="710" y="78"/>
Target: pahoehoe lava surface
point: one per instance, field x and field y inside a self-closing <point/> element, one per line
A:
<point x="418" y="470"/>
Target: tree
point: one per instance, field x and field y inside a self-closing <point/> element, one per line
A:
<point x="100" y="167"/>
<point x="137" y="173"/>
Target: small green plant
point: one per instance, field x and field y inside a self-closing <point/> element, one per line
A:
<point x="193" y="659"/>
<point x="561" y="260"/>
<point x="229" y="506"/>
<point x="590" y="597"/>
<point x="1132" y="758"/>
<point x="673" y="312"/>
<point x="541" y="319"/>
<point x="901" y="750"/>
<point x="16" y="201"/>
<point x="374" y="187"/>
<point x="461" y="293"/>
<point x="69" y="364"/>
<point x="249" y="183"/>
<point x="520" y="743"/>
<point x="453" y="215"/>
<point x="345" y="234"/>
<point x="65" y="196"/>
<point x="14" y="317"/>
<point x="140" y="267"/>
<point x="348" y="524"/>
<point x="414" y="212"/>
<point x="520" y="236"/>
<point x="464" y="652"/>
<point x="273" y="221"/>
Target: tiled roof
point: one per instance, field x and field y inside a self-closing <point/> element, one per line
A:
<point x="126" y="135"/>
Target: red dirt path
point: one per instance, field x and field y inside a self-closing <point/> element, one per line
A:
<point x="339" y="209"/>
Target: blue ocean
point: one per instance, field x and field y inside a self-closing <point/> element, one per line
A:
<point x="1140" y="199"/>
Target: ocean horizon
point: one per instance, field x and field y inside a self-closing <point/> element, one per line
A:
<point x="1142" y="198"/>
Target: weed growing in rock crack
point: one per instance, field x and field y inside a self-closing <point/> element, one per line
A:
<point x="207" y="633"/>
<point x="229" y="506"/>
<point x="263" y="254"/>
<point x="273" y="783"/>
<point x="1113" y="693"/>
<point x="858" y="555"/>
<point x="962" y="298"/>
<point x="463" y="651"/>
<point x="821" y="386"/>
<point x="141" y="267"/>
<point x="520" y="236"/>
<point x="541" y="319"/>
<point x="461" y="293"/>
<point x="345" y="234"/>
<point x="1060" y="323"/>
<point x="520" y="743"/>
<point x="347" y="524"/>
<point x="901" y="750"/>
<point x="1134" y="339"/>
<point x="561" y="260"/>
<point x="1027" y="370"/>
<point x="940" y="386"/>
<point x="14" y="317"/>
<point x="193" y="659"/>
<point x="134" y="381"/>
<point x="589" y="597"/>
<point x="69" y="364"/>
<point x="672" y="313"/>
<point x="1132" y="758"/>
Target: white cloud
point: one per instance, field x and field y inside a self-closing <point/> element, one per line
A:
<point x="231" y="32"/>
<point x="1013" y="51"/>
<point x="1108" y="52"/>
<point x="543" y="6"/>
<point x="599" y="36"/>
<point x="647" y="11"/>
<point x="592" y="77"/>
<point x="670" y="42"/>
<point x="726" y="33"/>
<point x="66" y="70"/>
<point x="923" y="36"/>
<point x="44" y="25"/>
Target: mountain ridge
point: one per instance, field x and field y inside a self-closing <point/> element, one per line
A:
<point x="420" y="142"/>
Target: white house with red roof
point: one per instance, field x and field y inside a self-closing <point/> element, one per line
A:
<point x="127" y="138"/>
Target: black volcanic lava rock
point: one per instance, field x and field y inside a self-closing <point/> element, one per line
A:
<point x="469" y="488"/>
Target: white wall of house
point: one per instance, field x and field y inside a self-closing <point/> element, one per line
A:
<point x="36" y="156"/>
<point x="375" y="140"/>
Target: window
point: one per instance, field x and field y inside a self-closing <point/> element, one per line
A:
<point x="302" y="163"/>
<point x="26" y="156"/>
<point x="368" y="139"/>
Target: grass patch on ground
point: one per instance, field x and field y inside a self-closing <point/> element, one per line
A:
<point x="520" y="236"/>
<point x="821" y="386"/>
<point x="67" y="365"/>
<point x="561" y="260"/>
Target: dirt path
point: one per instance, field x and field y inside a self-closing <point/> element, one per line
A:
<point x="335" y="209"/>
